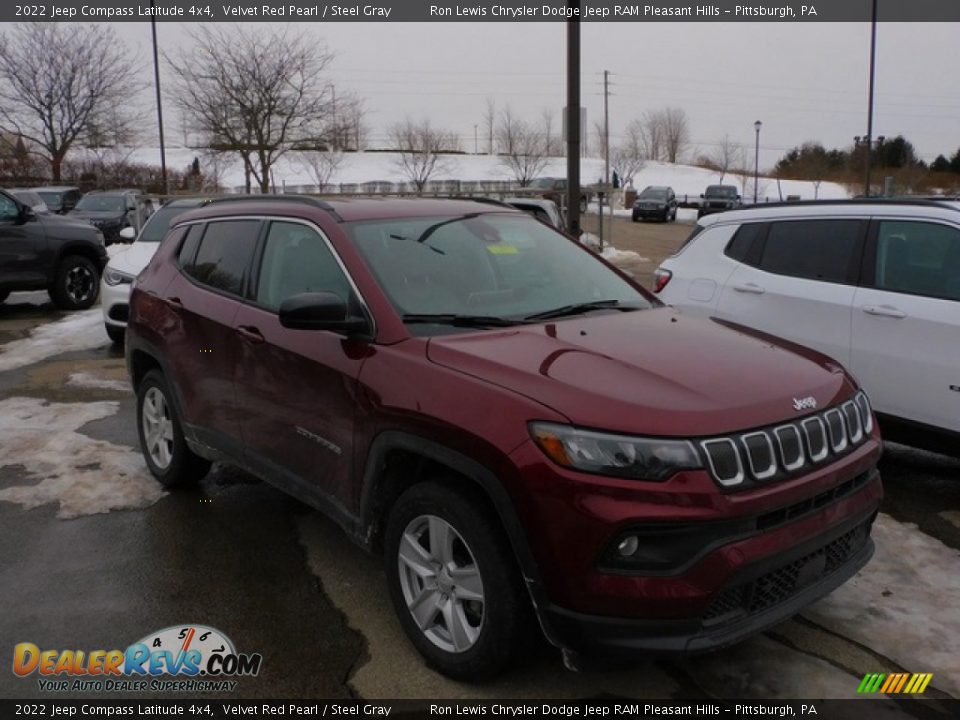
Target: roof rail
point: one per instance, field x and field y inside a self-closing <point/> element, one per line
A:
<point x="485" y="201"/>
<point x="281" y="197"/>
<point x="923" y="201"/>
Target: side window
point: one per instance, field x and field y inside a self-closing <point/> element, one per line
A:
<point x="225" y="253"/>
<point x="188" y="251"/>
<point x="746" y="239"/>
<point x="813" y="249"/>
<point x="296" y="260"/>
<point x="918" y="258"/>
<point x="8" y="209"/>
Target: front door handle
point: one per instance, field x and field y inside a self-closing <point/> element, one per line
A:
<point x="250" y="334"/>
<point x="884" y="311"/>
<point x="751" y="288"/>
<point x="175" y="303"/>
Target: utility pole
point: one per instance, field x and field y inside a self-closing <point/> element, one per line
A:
<point x="606" y="151"/>
<point x="873" y="64"/>
<point x="573" y="123"/>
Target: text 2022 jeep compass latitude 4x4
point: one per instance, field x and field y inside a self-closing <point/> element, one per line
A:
<point x="519" y="428"/>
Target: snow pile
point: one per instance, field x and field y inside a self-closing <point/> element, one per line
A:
<point x="84" y="476"/>
<point x="611" y="254"/>
<point x="88" y="380"/>
<point x="78" y="331"/>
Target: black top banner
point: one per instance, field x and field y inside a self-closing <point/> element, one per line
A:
<point x="480" y="11"/>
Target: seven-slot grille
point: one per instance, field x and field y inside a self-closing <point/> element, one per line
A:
<point x="786" y="449"/>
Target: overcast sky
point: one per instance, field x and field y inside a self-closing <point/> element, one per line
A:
<point x="803" y="81"/>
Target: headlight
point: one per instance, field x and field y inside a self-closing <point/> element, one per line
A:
<point x="115" y="277"/>
<point x="615" y="455"/>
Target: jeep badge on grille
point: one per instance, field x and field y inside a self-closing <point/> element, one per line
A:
<point x="807" y="403"/>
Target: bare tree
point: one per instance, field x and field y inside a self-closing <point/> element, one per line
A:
<point x="421" y="147"/>
<point x="726" y="156"/>
<point x="546" y="125"/>
<point x="256" y="92"/>
<point x="601" y="137"/>
<point x="321" y="165"/>
<point x="629" y="157"/>
<point x="522" y="147"/>
<point x="58" y="82"/>
<point x="676" y="133"/>
<point x="490" y="122"/>
<point x="650" y="130"/>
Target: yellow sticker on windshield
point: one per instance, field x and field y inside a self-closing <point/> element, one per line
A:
<point x="503" y="249"/>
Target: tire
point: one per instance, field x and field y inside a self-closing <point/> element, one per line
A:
<point x="116" y="334"/>
<point x="491" y="628"/>
<point x="636" y="217"/>
<point x="169" y="459"/>
<point x="4" y="294"/>
<point x="76" y="283"/>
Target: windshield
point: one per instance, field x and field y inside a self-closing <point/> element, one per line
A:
<point x="102" y="203"/>
<point x="158" y="224"/>
<point x="52" y="199"/>
<point x="726" y="191"/>
<point x="501" y="266"/>
<point x="654" y="193"/>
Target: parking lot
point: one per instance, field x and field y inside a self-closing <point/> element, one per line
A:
<point x="94" y="555"/>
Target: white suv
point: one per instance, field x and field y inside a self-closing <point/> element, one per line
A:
<point x="127" y="264"/>
<point x="875" y="284"/>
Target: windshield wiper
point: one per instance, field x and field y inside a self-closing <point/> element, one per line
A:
<point x="460" y="320"/>
<point x="578" y="308"/>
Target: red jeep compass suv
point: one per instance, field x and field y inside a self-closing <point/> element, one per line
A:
<point x="513" y="423"/>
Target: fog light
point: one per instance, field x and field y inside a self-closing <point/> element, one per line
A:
<point x="628" y="546"/>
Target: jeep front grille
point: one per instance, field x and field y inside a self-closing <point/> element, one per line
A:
<point x="783" y="450"/>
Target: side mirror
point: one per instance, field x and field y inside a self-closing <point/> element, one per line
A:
<point x="701" y="196"/>
<point x="128" y="233"/>
<point x="25" y="213"/>
<point x="321" y="311"/>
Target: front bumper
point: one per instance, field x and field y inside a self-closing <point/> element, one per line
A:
<point x="707" y="551"/>
<point x="759" y="597"/>
<point x="115" y="303"/>
<point x="651" y="212"/>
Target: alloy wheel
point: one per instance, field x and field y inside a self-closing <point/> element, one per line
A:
<point x="79" y="283"/>
<point x="441" y="583"/>
<point x="157" y="428"/>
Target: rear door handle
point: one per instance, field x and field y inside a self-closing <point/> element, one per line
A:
<point x="884" y="311"/>
<point x="175" y="302"/>
<point x="250" y="334"/>
<point x="752" y="288"/>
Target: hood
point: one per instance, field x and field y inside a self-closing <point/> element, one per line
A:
<point x="652" y="372"/>
<point x="54" y="221"/>
<point x="107" y="215"/>
<point x="134" y="258"/>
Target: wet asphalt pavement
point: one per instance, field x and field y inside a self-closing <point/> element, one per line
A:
<point x="280" y="580"/>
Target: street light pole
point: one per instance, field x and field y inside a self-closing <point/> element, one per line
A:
<point x="156" y="79"/>
<point x="756" y="161"/>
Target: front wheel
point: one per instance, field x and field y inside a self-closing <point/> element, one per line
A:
<point x="164" y="447"/>
<point x="453" y="582"/>
<point x="76" y="285"/>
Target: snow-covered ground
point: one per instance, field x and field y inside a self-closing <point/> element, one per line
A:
<point x="78" y="331"/>
<point x="291" y="175"/>
<point x="81" y="475"/>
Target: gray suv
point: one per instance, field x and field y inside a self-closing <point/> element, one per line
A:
<point x="49" y="252"/>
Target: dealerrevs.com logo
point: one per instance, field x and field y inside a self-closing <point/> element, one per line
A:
<point x="201" y="658"/>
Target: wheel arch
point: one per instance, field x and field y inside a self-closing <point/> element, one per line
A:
<point x="399" y="459"/>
